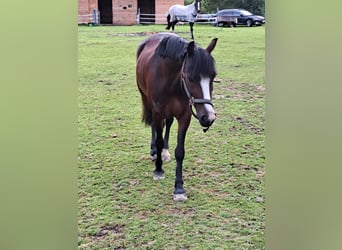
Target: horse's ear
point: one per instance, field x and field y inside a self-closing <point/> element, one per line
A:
<point x="191" y="48"/>
<point x="212" y="45"/>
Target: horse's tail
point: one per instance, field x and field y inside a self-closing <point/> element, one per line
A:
<point x="168" y="17"/>
<point x="140" y="49"/>
<point x="146" y="111"/>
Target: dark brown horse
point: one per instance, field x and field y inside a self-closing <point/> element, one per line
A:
<point x="173" y="75"/>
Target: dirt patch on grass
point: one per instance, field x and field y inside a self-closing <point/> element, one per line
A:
<point x="110" y="229"/>
<point x="138" y="34"/>
<point x="182" y="212"/>
<point x="135" y="34"/>
<point x="247" y="124"/>
<point x="245" y="91"/>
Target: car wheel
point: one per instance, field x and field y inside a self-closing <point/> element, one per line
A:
<point x="249" y="23"/>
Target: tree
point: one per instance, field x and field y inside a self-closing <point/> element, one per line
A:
<point x="210" y="6"/>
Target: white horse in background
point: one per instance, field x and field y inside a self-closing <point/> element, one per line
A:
<point x="182" y="13"/>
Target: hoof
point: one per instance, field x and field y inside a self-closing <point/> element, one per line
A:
<point x="166" y="155"/>
<point x="159" y="176"/>
<point x="179" y="197"/>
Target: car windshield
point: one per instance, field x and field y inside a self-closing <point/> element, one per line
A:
<point x="225" y="13"/>
<point x="246" y="13"/>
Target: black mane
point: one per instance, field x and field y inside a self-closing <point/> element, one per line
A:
<point x="173" y="47"/>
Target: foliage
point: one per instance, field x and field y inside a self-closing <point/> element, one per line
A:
<point x="120" y="206"/>
<point x="257" y="7"/>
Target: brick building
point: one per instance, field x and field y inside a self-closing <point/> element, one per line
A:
<point x="123" y="12"/>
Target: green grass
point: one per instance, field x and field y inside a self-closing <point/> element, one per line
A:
<point x="120" y="206"/>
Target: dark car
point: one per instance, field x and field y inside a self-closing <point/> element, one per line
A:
<point x="233" y="17"/>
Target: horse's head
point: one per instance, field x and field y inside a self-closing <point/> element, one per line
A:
<point x="198" y="73"/>
<point x="198" y="6"/>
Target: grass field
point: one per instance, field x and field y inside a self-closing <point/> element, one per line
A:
<point x="120" y="206"/>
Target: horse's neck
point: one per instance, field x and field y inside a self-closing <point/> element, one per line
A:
<point x="192" y="8"/>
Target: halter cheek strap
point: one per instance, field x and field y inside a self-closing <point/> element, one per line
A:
<point x="192" y="100"/>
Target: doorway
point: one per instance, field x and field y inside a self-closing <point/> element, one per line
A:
<point x="147" y="11"/>
<point x="106" y="11"/>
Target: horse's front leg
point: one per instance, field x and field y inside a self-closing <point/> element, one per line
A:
<point x="180" y="193"/>
<point x="159" y="172"/>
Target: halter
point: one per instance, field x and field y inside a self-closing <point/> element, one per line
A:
<point x="192" y="100"/>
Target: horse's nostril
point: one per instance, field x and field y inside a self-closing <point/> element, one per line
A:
<point x="204" y="118"/>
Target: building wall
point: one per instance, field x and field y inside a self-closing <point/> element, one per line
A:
<point x="162" y="6"/>
<point x="125" y="12"/>
<point x="85" y="10"/>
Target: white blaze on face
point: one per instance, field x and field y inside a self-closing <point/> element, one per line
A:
<point x="205" y="85"/>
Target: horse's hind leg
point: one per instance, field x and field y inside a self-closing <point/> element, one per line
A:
<point x="168" y="22"/>
<point x="165" y="153"/>
<point x="153" y="152"/>
<point x="159" y="172"/>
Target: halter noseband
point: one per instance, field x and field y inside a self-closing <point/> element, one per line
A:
<point x="192" y="100"/>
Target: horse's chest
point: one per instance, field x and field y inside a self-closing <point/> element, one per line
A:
<point x="168" y="106"/>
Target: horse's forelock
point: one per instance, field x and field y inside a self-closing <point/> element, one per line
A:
<point x="200" y="63"/>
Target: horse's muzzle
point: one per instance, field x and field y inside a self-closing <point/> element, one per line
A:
<point x="207" y="120"/>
